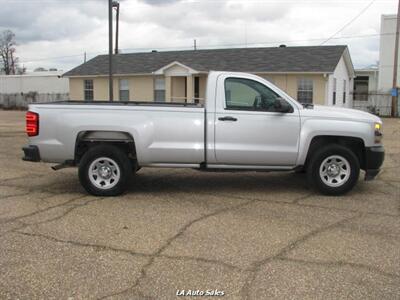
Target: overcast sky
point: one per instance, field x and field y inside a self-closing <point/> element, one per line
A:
<point x="56" y="33"/>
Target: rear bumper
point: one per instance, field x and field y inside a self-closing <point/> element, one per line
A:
<point x="31" y="153"/>
<point x="374" y="157"/>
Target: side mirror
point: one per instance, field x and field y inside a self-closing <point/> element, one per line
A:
<point x="280" y="105"/>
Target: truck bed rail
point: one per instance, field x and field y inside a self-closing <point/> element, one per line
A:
<point x="121" y="103"/>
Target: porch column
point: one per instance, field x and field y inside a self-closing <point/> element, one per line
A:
<point x="168" y="89"/>
<point x="189" y="89"/>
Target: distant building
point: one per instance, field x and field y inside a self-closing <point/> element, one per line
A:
<point x="382" y="100"/>
<point x="386" y="53"/>
<point x="311" y="74"/>
<point x="366" y="95"/>
<point x="365" y="83"/>
<point x="20" y="90"/>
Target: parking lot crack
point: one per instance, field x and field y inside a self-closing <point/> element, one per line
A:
<point x="183" y="229"/>
<point x="341" y="263"/>
<point x="81" y="244"/>
<point x="42" y="210"/>
<point x="68" y="211"/>
<point x="15" y="195"/>
<point x="202" y="260"/>
<point x="21" y="177"/>
<point x="256" y="266"/>
<point x="169" y="241"/>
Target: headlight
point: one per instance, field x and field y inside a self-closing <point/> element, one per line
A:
<point x="378" y="133"/>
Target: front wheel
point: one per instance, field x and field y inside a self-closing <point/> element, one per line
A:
<point x="105" y="170"/>
<point x="333" y="170"/>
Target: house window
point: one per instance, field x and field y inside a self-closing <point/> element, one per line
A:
<point x="159" y="90"/>
<point x="305" y="90"/>
<point x="88" y="89"/>
<point x="123" y="90"/>
<point x="334" y="92"/>
<point x="361" y="87"/>
<point x="344" y="91"/>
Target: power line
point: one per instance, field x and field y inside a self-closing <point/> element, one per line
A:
<point x="350" y="22"/>
<point x="208" y="46"/>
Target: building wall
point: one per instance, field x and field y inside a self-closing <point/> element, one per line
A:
<point x="386" y="53"/>
<point x="100" y="88"/>
<point x="288" y="83"/>
<point x="341" y="74"/>
<point x="18" y="91"/>
<point x="373" y="80"/>
<point x="39" y="82"/>
<point x="141" y="88"/>
<point x="202" y="87"/>
<point x="178" y="87"/>
<point x="76" y="88"/>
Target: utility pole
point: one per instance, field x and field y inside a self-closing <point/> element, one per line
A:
<point x="84" y="57"/>
<point x="395" y="65"/>
<point x="110" y="51"/>
<point x="194" y="44"/>
<point x="245" y="33"/>
<point x="116" y="5"/>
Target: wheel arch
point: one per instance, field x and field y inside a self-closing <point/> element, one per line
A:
<point x="355" y="144"/>
<point x="89" y="138"/>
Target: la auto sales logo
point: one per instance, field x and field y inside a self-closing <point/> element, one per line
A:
<point x="200" y="293"/>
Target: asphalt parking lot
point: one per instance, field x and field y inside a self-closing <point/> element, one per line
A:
<point x="249" y="235"/>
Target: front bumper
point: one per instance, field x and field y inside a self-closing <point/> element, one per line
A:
<point x="31" y="153"/>
<point x="374" y="157"/>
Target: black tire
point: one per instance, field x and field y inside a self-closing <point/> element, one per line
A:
<point x="135" y="166"/>
<point x="116" y="155"/>
<point x="316" y="179"/>
<point x="300" y="171"/>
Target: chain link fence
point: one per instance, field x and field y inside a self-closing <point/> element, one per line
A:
<point x="379" y="104"/>
<point x="22" y="100"/>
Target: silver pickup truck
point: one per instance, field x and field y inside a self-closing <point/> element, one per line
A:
<point x="247" y="123"/>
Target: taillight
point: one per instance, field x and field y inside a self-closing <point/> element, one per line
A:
<point x="32" y="123"/>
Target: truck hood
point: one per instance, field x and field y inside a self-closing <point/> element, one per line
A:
<point x="339" y="113"/>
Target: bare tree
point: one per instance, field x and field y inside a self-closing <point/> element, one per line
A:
<point x="9" y="60"/>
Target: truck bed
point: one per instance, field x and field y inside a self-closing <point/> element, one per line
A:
<point x="163" y="132"/>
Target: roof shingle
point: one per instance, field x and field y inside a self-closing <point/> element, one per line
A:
<point x="277" y="59"/>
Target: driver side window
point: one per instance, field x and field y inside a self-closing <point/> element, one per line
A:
<point x="247" y="94"/>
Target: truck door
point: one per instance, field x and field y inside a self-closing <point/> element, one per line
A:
<point x="248" y="128"/>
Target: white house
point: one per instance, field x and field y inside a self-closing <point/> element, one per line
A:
<point x="340" y="83"/>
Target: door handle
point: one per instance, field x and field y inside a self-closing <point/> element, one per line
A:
<point x="227" y="118"/>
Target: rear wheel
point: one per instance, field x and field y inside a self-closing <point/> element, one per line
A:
<point x="333" y="170"/>
<point x="105" y="170"/>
